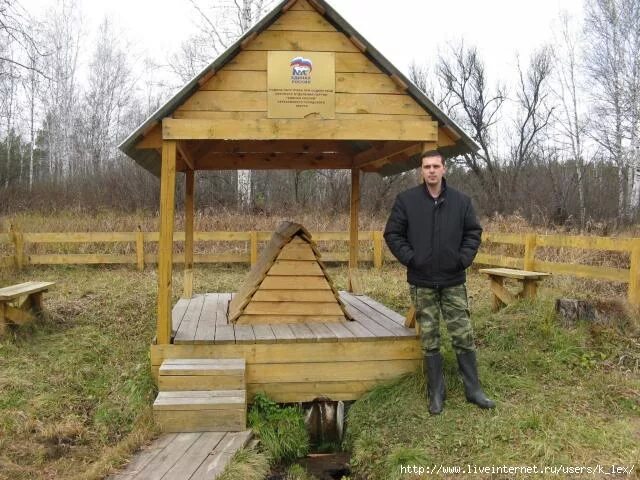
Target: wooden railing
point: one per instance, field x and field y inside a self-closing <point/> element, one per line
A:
<point x="531" y="242"/>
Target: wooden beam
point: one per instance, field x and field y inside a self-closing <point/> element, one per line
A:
<point x="399" y="82"/>
<point x="186" y="157"/>
<point x="353" y="222"/>
<point x="272" y="146"/>
<point x="292" y="129"/>
<point x="248" y="40"/>
<point x="359" y="45"/>
<point x="288" y="5"/>
<point x="317" y="6"/>
<point x="188" y="234"/>
<point x="152" y="137"/>
<point x="382" y="150"/>
<point x="264" y="161"/>
<point x="207" y="76"/>
<point x="165" y="246"/>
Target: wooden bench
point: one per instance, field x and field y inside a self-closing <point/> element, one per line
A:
<point x="20" y="304"/>
<point x="501" y="296"/>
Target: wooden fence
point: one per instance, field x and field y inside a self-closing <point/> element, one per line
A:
<point x="376" y="254"/>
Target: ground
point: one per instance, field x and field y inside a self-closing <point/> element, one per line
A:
<point x="76" y="392"/>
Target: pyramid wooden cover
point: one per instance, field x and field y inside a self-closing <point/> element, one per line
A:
<point x="288" y="284"/>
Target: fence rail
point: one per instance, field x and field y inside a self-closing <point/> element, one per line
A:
<point x="531" y="242"/>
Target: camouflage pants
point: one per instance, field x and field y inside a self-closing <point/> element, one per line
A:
<point x="451" y="303"/>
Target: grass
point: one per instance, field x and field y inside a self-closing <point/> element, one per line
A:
<point x="246" y="464"/>
<point x="76" y="393"/>
<point x="565" y="396"/>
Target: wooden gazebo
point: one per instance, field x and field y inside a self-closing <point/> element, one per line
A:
<point x="300" y="90"/>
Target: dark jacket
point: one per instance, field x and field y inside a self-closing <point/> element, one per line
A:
<point x="436" y="239"/>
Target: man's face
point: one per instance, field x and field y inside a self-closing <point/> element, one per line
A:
<point x="432" y="170"/>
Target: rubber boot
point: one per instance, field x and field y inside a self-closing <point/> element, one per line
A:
<point x="469" y="373"/>
<point x="432" y="364"/>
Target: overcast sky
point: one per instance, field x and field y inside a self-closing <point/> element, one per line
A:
<point x="401" y="30"/>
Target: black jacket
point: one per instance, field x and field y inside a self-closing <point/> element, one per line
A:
<point x="436" y="239"/>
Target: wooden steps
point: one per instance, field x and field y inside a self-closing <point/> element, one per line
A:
<point x="201" y="395"/>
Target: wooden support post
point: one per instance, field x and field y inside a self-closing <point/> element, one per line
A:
<point x="378" y="258"/>
<point x="188" y="233"/>
<point x="165" y="245"/>
<point x="530" y="252"/>
<point x="529" y="289"/>
<point x="633" y="293"/>
<point x="254" y="247"/>
<point x="140" y="248"/>
<point x="3" y="318"/>
<point x="353" y="224"/>
<point x="497" y="288"/>
<point x="18" y="244"/>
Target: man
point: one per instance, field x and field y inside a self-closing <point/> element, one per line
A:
<point x="434" y="232"/>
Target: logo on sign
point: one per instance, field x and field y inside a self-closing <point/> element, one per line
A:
<point x="301" y="70"/>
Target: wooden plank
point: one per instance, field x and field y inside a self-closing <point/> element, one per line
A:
<point x="589" y="243"/>
<point x="633" y="292"/>
<point x="189" y="324"/>
<point x="293" y="308"/>
<point x="275" y="161"/>
<point x="395" y="316"/>
<point x="378" y="349"/>
<point x="222" y="420"/>
<point x="302" y="333"/>
<point x="346" y="103"/>
<point x="322" y="332"/>
<point x="200" y="382"/>
<point x="199" y="400"/>
<point x="244" y="333"/>
<point x="140" y="249"/>
<point x="225" y="334"/>
<point x="293" y="296"/>
<point x="217" y="461"/>
<point x="263" y="334"/>
<point x="80" y="237"/>
<point x="342" y="333"/>
<point x="302" y="5"/>
<point x="296" y="252"/>
<point x="500" y="292"/>
<point x="584" y="271"/>
<point x="296" y="268"/>
<point x="188" y="226"/>
<point x="306" y="21"/>
<point x="168" y="456"/>
<point x="508" y="238"/>
<point x="152" y="138"/>
<point x="302" y="41"/>
<point x="274" y="319"/>
<point x="226" y="101"/>
<point x="80" y="259"/>
<point x="231" y="80"/>
<point x="375" y="328"/>
<point x="329" y="371"/>
<point x="184" y="468"/>
<point x="374" y="315"/>
<point x="503" y="261"/>
<point x="283" y="333"/>
<point x="203" y="366"/>
<point x="512" y="273"/>
<point x="367" y="83"/>
<point x="165" y="245"/>
<point x="222" y="308"/>
<point x="298" y="283"/>
<point x="26" y="288"/>
<point x="142" y="458"/>
<point x="267" y="129"/>
<point x="206" y="329"/>
<point x="353" y="219"/>
<point x="177" y="313"/>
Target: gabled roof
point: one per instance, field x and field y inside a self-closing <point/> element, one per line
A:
<point x="150" y="159"/>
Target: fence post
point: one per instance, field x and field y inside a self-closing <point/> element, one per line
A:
<point x="633" y="294"/>
<point x="377" y="250"/>
<point x="254" y="247"/>
<point x="530" y="252"/>
<point x="140" y="248"/>
<point x="18" y="243"/>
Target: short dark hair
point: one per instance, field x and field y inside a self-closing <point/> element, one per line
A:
<point x="432" y="153"/>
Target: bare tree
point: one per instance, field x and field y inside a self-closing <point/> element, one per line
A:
<point x="611" y="52"/>
<point x="476" y="107"/>
<point x="571" y="122"/>
<point x="533" y="113"/>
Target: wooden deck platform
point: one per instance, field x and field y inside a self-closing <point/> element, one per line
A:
<point x="203" y="320"/>
<point x="297" y="362"/>
<point x="184" y="456"/>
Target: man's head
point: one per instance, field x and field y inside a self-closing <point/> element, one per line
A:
<point x="433" y="168"/>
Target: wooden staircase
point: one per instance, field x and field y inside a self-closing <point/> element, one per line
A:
<point x="201" y="395"/>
